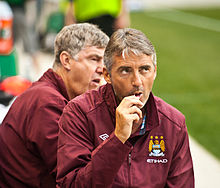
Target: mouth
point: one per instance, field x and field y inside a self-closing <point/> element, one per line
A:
<point x="138" y="94"/>
<point x="96" y="81"/>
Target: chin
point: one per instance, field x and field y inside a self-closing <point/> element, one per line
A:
<point x="93" y="87"/>
<point x="144" y="101"/>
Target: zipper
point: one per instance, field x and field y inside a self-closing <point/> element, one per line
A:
<point x="129" y="159"/>
<point x="129" y="169"/>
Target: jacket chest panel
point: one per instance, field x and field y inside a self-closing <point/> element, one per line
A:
<point x="151" y="155"/>
<point x="102" y="125"/>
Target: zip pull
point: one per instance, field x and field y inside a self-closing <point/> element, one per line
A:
<point x="129" y="159"/>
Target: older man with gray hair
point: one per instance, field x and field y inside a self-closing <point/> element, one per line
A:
<point x="121" y="135"/>
<point x="28" y="134"/>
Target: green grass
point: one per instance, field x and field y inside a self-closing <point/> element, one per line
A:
<point x="211" y="13"/>
<point x="188" y="74"/>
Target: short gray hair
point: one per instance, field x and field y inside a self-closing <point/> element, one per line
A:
<point x="127" y="40"/>
<point x="73" y="38"/>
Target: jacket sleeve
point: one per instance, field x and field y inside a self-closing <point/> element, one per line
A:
<point x="79" y="163"/>
<point x="43" y="132"/>
<point x="181" y="173"/>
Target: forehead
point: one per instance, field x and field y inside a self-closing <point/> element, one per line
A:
<point x="132" y="59"/>
<point x="87" y="50"/>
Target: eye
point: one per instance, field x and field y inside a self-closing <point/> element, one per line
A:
<point x="145" y="69"/>
<point x="94" y="59"/>
<point x="125" y="70"/>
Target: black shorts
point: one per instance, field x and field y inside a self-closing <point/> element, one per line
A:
<point x="105" y="23"/>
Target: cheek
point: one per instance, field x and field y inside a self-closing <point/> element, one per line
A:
<point x="121" y="88"/>
<point x="91" y="67"/>
<point x="148" y="84"/>
<point x="86" y="71"/>
<point x="79" y="77"/>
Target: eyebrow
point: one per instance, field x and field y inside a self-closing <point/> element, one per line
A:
<point x="95" y="55"/>
<point x="142" y="66"/>
<point x="145" y="66"/>
<point x="124" y="67"/>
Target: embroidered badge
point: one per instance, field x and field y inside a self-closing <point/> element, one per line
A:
<point x="156" y="146"/>
<point x="104" y="136"/>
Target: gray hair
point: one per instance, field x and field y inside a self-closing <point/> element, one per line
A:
<point x="73" y="38"/>
<point x="127" y="40"/>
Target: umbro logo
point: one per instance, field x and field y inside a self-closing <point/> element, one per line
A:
<point x="104" y="136"/>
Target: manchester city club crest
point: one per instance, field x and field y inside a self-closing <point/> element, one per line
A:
<point x="156" y="146"/>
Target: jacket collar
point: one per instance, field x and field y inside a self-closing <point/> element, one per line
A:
<point x="56" y="81"/>
<point x="151" y="108"/>
<point x="109" y="98"/>
<point x="152" y="113"/>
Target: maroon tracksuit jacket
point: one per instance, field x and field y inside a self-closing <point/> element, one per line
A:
<point x="90" y="155"/>
<point x="28" y="135"/>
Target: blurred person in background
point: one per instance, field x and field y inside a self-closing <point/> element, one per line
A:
<point x="109" y="15"/>
<point x="10" y="88"/>
<point x="121" y="135"/>
<point x="24" y="30"/>
<point x="28" y="134"/>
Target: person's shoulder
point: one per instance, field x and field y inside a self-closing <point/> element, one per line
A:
<point x="170" y="112"/>
<point x="46" y="87"/>
<point x="42" y="93"/>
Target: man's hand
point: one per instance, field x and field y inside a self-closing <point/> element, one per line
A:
<point x="127" y="113"/>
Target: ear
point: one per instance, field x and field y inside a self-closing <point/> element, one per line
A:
<point x="155" y="72"/>
<point x="65" y="60"/>
<point x="106" y="75"/>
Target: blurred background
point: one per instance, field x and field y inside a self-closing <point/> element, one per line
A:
<point x="186" y="35"/>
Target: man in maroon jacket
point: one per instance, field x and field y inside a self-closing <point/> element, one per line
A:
<point x="28" y="134"/>
<point x="121" y="135"/>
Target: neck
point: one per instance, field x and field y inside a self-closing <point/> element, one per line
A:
<point x="64" y="75"/>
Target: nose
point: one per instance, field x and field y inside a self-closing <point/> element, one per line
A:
<point x="99" y="68"/>
<point x="136" y="80"/>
